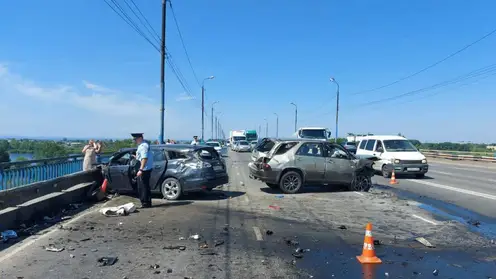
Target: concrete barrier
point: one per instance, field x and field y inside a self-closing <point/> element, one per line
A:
<point x="458" y="157"/>
<point x="33" y="201"/>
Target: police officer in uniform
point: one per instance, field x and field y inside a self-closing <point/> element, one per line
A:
<point x="145" y="161"/>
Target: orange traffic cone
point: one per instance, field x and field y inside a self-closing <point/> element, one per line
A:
<point x="368" y="253"/>
<point x="103" y="188"/>
<point x="393" y="178"/>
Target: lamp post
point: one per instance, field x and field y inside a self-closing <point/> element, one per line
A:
<point x="277" y="124"/>
<point x="266" y="128"/>
<point x="296" y="116"/>
<point x="212" y="116"/>
<point x="337" y="107"/>
<point x="203" y="106"/>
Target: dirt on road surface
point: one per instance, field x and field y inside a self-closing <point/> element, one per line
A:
<point x="247" y="230"/>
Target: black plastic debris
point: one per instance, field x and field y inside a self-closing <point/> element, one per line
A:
<point x="107" y="261"/>
<point x="435" y="272"/>
<point x="291" y="242"/>
<point x="343" y="227"/>
<point x="474" y="223"/>
<point x="269" y="232"/>
<point x="169" y="270"/>
<point x="377" y="242"/>
<point x="208" y="252"/>
<point x="218" y="243"/>
<point x="155" y="266"/>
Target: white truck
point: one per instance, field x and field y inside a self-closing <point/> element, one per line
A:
<point x="236" y="135"/>
<point x="313" y="133"/>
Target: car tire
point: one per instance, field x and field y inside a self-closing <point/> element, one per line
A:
<point x="291" y="182"/>
<point x="272" y="185"/>
<point x="420" y="175"/>
<point x="361" y="184"/>
<point x="385" y="172"/>
<point x="171" y="189"/>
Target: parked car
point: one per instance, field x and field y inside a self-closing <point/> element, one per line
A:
<point x="243" y="146"/>
<point x="291" y="164"/>
<point x="217" y="146"/>
<point x="177" y="169"/>
<point x="350" y="146"/>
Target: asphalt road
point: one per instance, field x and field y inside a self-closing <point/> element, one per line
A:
<point x="466" y="185"/>
<point x="234" y="221"/>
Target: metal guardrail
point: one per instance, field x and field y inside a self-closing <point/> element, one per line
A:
<point x="451" y="156"/>
<point x="18" y="174"/>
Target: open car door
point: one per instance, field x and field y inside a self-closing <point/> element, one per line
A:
<point x="118" y="171"/>
<point x="159" y="167"/>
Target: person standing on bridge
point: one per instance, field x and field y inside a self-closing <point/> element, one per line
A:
<point x="89" y="152"/>
<point x="145" y="158"/>
<point x="195" y="141"/>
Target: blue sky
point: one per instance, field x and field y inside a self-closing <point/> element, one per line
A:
<point x="75" y="69"/>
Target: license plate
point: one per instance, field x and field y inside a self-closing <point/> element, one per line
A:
<point x="218" y="168"/>
<point x="413" y="169"/>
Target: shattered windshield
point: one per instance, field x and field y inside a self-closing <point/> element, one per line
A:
<point x="399" y="146"/>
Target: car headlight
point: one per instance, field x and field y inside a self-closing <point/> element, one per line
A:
<point x="396" y="161"/>
<point x="424" y="161"/>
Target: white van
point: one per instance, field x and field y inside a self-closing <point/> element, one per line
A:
<point x="395" y="150"/>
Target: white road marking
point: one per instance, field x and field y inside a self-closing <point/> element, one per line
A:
<point x="463" y="176"/>
<point x="258" y="234"/>
<point x="425" y="220"/>
<point x="468" y="192"/>
<point x="441" y="172"/>
<point x="43" y="234"/>
<point x="358" y="193"/>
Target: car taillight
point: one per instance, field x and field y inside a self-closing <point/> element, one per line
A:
<point x="265" y="166"/>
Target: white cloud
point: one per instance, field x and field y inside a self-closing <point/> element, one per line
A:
<point x="66" y="111"/>
<point x="184" y="97"/>
<point x="98" y="88"/>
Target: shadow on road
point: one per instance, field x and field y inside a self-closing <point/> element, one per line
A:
<point x="212" y="196"/>
<point x="309" y="189"/>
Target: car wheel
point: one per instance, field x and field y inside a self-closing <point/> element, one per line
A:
<point x="361" y="183"/>
<point x="420" y="175"/>
<point x="272" y="185"/>
<point x="385" y="172"/>
<point x="290" y="182"/>
<point x="171" y="189"/>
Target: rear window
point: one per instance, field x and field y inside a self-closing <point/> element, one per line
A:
<point x="266" y="146"/>
<point x="207" y="153"/>
<point x="285" y="147"/>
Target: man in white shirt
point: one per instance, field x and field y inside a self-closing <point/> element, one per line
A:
<point x="195" y="141"/>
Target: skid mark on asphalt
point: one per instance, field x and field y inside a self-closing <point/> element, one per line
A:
<point x="424" y="219"/>
<point x="446" y="187"/>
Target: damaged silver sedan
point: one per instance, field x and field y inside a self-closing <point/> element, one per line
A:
<point x="291" y="164"/>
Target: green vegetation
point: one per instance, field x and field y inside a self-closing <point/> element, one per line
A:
<point x="52" y="149"/>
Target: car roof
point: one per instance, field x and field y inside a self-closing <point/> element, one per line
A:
<point x="384" y="137"/>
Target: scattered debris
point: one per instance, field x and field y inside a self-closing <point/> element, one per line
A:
<point x="169" y="270"/>
<point x="216" y="266"/>
<point x="72" y="256"/>
<point x="435" y="272"/>
<point x="182" y="238"/>
<point x="121" y="210"/>
<point x="218" y="243"/>
<point x="195" y="236"/>
<point x="178" y="247"/>
<point x="52" y="248"/>
<point x="291" y="242"/>
<point x="269" y="232"/>
<point x="279" y="196"/>
<point x="474" y="223"/>
<point x="275" y="207"/>
<point x="107" y="261"/>
<point x="155" y="266"/>
<point x="377" y="242"/>
<point x="85" y="239"/>
<point x="9" y="234"/>
<point x="208" y="252"/>
<point x="425" y="242"/>
<point x="343" y="227"/>
<point x="203" y="245"/>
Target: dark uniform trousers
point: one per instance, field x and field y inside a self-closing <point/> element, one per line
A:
<point x="144" y="190"/>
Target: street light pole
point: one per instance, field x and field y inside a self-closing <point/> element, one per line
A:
<point x="296" y="116"/>
<point x="277" y="124"/>
<point x="266" y="128"/>
<point x="203" y="106"/>
<point x="212" y="116"/>
<point x="337" y="107"/>
<point x="162" y="75"/>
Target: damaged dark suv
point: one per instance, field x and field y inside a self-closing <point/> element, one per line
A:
<point x="290" y="164"/>
<point x="177" y="169"/>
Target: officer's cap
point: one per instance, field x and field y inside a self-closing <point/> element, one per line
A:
<point x="136" y="135"/>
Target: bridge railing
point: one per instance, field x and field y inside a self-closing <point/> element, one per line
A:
<point x="466" y="156"/>
<point x="18" y="174"/>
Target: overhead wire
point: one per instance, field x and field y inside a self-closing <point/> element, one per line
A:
<point x="430" y="66"/>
